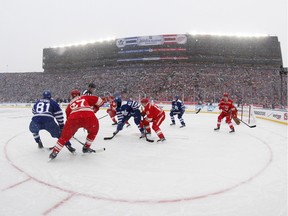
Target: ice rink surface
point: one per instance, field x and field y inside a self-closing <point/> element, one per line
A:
<point x="196" y="172"/>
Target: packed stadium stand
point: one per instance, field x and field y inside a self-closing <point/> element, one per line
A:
<point x="199" y="68"/>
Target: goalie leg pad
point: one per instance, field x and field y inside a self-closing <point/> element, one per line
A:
<point x="236" y="120"/>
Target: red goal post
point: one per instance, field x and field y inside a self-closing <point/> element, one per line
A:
<point x="246" y="114"/>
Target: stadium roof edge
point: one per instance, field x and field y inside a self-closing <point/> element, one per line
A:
<point x="247" y="35"/>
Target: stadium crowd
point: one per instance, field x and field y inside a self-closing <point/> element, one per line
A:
<point x="192" y="82"/>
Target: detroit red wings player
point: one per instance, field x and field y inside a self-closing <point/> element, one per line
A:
<point x="228" y="111"/>
<point x="79" y="114"/>
<point x="155" y="115"/>
<point x="112" y="110"/>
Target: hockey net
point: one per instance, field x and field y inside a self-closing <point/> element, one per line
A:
<point x="246" y="114"/>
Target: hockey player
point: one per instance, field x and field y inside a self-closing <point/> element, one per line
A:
<point x="80" y="114"/>
<point x="228" y="111"/>
<point x="125" y="111"/>
<point x="155" y="115"/>
<point x="112" y="110"/>
<point x="90" y="89"/>
<point x="45" y="111"/>
<point x="178" y="108"/>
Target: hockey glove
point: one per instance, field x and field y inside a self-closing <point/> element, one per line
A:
<point x="125" y="113"/>
<point x="95" y="109"/>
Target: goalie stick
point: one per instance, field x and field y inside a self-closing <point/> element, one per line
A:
<point x="250" y="126"/>
<point x="93" y="150"/>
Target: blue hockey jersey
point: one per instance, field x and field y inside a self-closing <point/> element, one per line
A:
<point x="46" y="110"/>
<point x="124" y="112"/>
<point x="178" y="106"/>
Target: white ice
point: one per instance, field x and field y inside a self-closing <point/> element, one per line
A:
<point x="197" y="172"/>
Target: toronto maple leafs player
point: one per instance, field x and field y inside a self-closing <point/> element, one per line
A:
<point x="45" y="112"/>
<point x="125" y="111"/>
<point x="178" y="108"/>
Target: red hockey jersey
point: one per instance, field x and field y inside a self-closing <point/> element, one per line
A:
<point x="227" y="106"/>
<point x="83" y="106"/>
<point x="152" y="111"/>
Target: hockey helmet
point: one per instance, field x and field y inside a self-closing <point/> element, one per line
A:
<point x="117" y="100"/>
<point x="225" y="94"/>
<point x="75" y="93"/>
<point x="92" y="85"/>
<point x="144" y="101"/>
<point x="46" y="94"/>
<point x="176" y="97"/>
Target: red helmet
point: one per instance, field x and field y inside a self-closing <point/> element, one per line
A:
<point x="225" y="95"/>
<point x="75" y="93"/>
<point x="144" y="100"/>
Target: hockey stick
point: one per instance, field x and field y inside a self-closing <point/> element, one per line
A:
<point x="109" y="138"/>
<point x="95" y="151"/>
<point x="198" y="111"/>
<point x="146" y="138"/>
<point x="102" y="116"/>
<point x="250" y="126"/>
<point x="78" y="141"/>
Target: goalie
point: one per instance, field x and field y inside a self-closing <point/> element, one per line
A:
<point x="228" y="111"/>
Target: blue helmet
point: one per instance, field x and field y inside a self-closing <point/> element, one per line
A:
<point x="176" y="97"/>
<point x="117" y="100"/>
<point x="46" y="94"/>
<point x="116" y="94"/>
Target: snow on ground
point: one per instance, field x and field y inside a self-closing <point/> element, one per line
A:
<point x="197" y="172"/>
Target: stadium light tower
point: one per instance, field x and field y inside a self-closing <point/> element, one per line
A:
<point x="282" y="72"/>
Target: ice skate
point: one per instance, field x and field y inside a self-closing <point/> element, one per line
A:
<point x="40" y="144"/>
<point x="87" y="150"/>
<point x="71" y="149"/>
<point x="53" y="155"/>
<point x="183" y="125"/>
<point x="232" y="130"/>
<point x="161" y="140"/>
